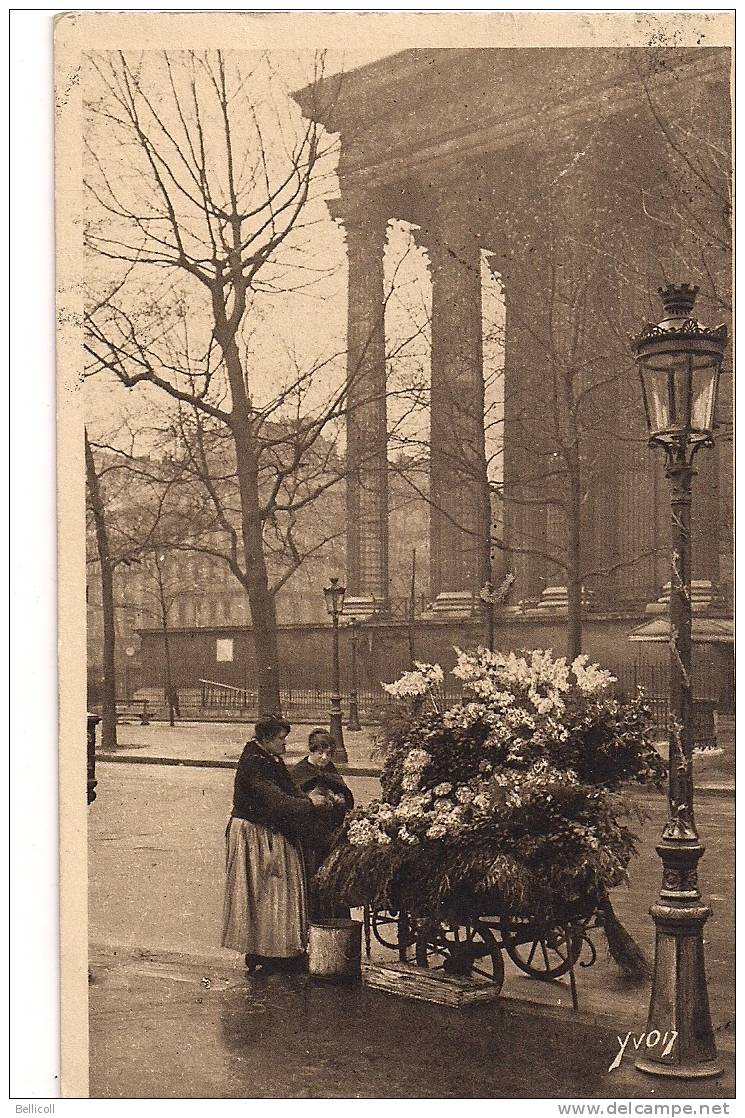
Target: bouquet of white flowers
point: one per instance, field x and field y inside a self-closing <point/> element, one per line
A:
<point x="511" y="797"/>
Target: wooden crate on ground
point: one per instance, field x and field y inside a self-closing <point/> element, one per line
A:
<point x="411" y="981"/>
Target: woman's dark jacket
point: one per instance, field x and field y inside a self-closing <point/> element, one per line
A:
<point x="264" y="792"/>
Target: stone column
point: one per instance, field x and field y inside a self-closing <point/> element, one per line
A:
<point x="367" y="437"/>
<point x="460" y="515"/>
<point x="525" y="511"/>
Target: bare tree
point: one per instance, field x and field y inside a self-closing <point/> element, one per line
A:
<point x="204" y="216"/>
<point x="127" y="501"/>
<point x="98" y="510"/>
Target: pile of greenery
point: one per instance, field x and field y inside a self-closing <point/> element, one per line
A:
<point x="511" y="801"/>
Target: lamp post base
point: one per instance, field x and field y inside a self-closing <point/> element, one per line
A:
<point x="336" y="730"/>
<point x="672" y="1071"/>
<point x="354" y="714"/>
<point x="679" y="1016"/>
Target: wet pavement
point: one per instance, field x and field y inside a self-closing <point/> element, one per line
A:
<point x="191" y="1030"/>
<point x="156" y="882"/>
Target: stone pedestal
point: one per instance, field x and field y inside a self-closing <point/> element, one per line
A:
<point x="554" y="600"/>
<point x="363" y="606"/>
<point x="456" y="604"/>
<point x="703" y="594"/>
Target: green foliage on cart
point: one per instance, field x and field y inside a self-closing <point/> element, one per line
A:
<point x="514" y="801"/>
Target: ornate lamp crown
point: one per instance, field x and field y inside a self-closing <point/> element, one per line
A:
<point x="678" y="299"/>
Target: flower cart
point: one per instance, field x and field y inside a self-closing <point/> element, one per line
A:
<point x="504" y="820"/>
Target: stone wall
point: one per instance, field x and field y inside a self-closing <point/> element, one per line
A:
<point x="383" y="650"/>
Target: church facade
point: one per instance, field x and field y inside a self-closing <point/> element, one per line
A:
<point x="585" y="178"/>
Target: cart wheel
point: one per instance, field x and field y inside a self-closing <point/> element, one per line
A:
<point x="387" y="930"/>
<point x="469" y="950"/>
<point x="545" y="956"/>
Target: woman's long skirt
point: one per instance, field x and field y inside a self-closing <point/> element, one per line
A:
<point x="265" y="895"/>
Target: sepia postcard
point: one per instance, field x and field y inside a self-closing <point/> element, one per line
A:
<point x="396" y="581"/>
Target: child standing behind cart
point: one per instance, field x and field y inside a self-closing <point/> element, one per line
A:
<point x="317" y="773"/>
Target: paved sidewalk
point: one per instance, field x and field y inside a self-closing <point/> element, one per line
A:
<point x="219" y="745"/>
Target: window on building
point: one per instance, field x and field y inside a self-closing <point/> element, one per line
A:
<point x="224" y="650"/>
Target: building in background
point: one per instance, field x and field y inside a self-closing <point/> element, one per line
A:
<point x="535" y="164"/>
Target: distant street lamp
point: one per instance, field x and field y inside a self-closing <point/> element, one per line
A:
<point x="129" y="652"/>
<point x="334" y="595"/>
<point x="354" y="714"/>
<point x="679" y="362"/>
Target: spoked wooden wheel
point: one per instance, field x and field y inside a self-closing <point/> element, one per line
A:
<point x="470" y="951"/>
<point x="546" y="955"/>
<point x="392" y="931"/>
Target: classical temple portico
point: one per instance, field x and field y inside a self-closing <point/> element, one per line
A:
<point x="468" y="146"/>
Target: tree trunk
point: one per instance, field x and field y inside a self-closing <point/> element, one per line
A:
<point x="260" y="598"/>
<point x="108" y="698"/>
<point x="574" y="567"/>
<point x="263" y="620"/>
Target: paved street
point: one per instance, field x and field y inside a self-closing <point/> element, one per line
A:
<point x="156" y="880"/>
<point x="180" y="1031"/>
<point x="156" y="854"/>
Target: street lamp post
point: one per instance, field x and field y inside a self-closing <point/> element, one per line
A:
<point x="354" y="714"/>
<point x="91" y="782"/>
<point x="334" y="595"/>
<point x="679" y="361"/>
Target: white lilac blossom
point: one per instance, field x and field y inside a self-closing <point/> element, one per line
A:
<point x="416" y="760"/>
<point x="416" y="683"/>
<point x="364" y="832"/>
<point x="437" y="830"/>
<point x="591" y="678"/>
<point x="515" y="707"/>
<point x="412" y="807"/>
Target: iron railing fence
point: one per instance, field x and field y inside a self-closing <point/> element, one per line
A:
<point x="654" y="680"/>
<point x="300" y="703"/>
<point x="216" y="701"/>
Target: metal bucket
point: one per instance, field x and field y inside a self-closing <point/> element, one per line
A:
<point x="335" y="949"/>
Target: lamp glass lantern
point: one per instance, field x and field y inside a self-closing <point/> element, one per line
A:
<point x="679" y="363"/>
<point x="334" y="595"/>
